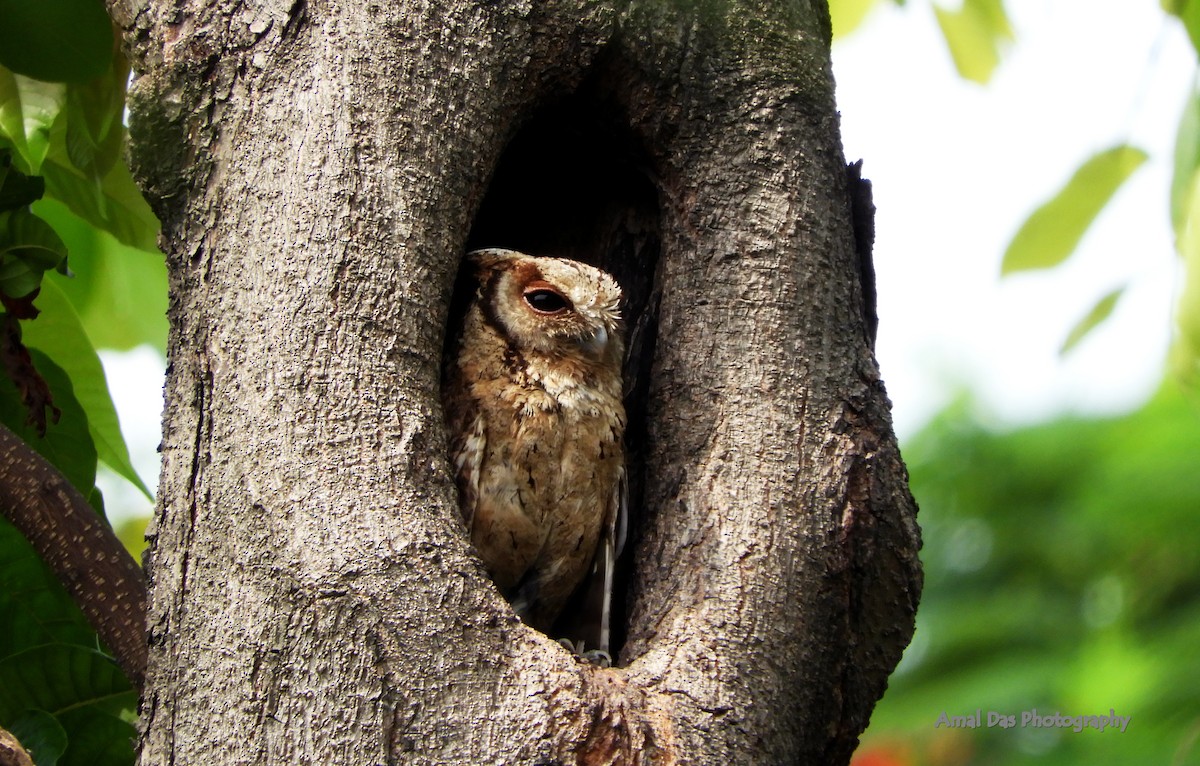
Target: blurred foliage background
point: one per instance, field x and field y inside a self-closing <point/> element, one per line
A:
<point x="1062" y="575"/>
<point x="1062" y="558"/>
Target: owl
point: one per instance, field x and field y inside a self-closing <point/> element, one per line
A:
<point x="532" y="396"/>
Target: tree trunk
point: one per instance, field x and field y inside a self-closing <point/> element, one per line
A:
<point x="320" y="166"/>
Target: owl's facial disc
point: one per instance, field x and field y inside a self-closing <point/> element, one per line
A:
<point x="551" y="303"/>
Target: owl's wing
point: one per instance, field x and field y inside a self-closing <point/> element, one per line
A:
<point x="468" y="442"/>
<point x="588" y="616"/>
<point x="620" y="523"/>
<point x="612" y="542"/>
<point x="470" y="461"/>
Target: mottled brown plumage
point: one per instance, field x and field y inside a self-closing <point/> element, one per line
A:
<point x="532" y="395"/>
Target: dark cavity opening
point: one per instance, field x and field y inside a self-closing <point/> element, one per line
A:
<point x="575" y="182"/>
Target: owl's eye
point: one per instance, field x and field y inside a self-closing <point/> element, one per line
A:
<point x="545" y="301"/>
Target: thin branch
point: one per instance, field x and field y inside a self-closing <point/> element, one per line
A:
<point x="81" y="549"/>
<point x="11" y="752"/>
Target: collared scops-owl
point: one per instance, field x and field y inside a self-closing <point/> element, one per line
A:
<point x="533" y="399"/>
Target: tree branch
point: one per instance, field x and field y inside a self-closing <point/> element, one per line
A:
<point x="11" y="752"/>
<point x="81" y="549"/>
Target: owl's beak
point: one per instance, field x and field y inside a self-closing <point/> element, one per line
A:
<point x="596" y="343"/>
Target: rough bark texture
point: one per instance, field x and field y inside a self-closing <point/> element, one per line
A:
<point x="319" y="168"/>
<point x="11" y="752"/>
<point x="79" y="547"/>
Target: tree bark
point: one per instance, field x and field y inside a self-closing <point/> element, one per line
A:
<point x="11" y="752"/>
<point x="319" y="168"/>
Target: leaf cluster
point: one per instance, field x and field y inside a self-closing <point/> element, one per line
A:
<point x="976" y="35"/>
<point x="66" y="197"/>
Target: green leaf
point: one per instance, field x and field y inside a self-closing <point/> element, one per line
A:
<point x="28" y="109"/>
<point x="120" y="292"/>
<point x="55" y="40"/>
<point x="1053" y="231"/>
<point x="95" y="133"/>
<point x="116" y="205"/>
<point x="81" y="687"/>
<point x="1188" y="12"/>
<point x="49" y="663"/>
<point x="1185" y="356"/>
<point x="42" y="736"/>
<point x="18" y="279"/>
<point x="16" y="188"/>
<point x="132" y="534"/>
<point x="68" y="443"/>
<point x="34" y="607"/>
<point x="27" y="236"/>
<point x="974" y="34"/>
<point x="1187" y="158"/>
<point x="75" y="146"/>
<point x="100" y="738"/>
<point x="1099" y="312"/>
<point x="59" y="334"/>
<point x="55" y="677"/>
<point x="847" y="15"/>
<point x="28" y="248"/>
